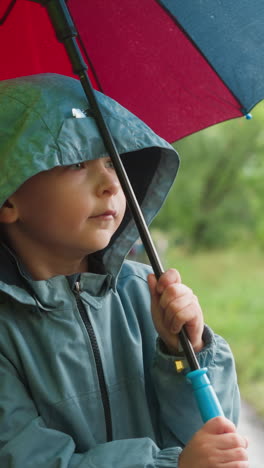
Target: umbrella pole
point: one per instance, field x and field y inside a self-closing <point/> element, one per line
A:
<point x="66" y="33"/>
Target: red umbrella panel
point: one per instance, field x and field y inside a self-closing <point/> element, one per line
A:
<point x="138" y="54"/>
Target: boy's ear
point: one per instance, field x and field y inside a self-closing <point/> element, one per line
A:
<point x="8" y="212"/>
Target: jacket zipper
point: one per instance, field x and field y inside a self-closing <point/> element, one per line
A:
<point x="98" y="362"/>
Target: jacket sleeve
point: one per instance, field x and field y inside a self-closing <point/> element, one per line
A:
<point x="25" y="440"/>
<point x="179" y="416"/>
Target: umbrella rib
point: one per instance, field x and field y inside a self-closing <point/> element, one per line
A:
<point x="163" y="6"/>
<point x="90" y="63"/>
<point x="7" y="12"/>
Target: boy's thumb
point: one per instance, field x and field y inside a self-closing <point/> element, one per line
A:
<point x="152" y="283"/>
<point x="219" y="425"/>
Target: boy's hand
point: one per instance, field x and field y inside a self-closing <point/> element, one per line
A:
<point x="173" y="305"/>
<point x="216" y="445"/>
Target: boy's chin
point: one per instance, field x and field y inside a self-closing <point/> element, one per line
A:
<point x="100" y="245"/>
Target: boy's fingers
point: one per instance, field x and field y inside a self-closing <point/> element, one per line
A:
<point x="152" y="282"/>
<point x="230" y="441"/>
<point x="176" y="321"/>
<point x="177" y="294"/>
<point x="219" y="425"/>
<point x="169" y="277"/>
<point x="231" y="458"/>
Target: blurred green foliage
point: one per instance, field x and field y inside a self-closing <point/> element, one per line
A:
<point x="217" y="199"/>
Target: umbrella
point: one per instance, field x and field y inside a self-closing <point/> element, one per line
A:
<point x="179" y="66"/>
<point x="210" y="86"/>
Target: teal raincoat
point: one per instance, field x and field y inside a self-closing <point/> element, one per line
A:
<point x="84" y="381"/>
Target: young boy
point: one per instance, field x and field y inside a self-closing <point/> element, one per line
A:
<point x="84" y="381"/>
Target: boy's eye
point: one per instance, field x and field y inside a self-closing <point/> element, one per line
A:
<point x="109" y="164"/>
<point x="82" y="165"/>
<point x="77" y="166"/>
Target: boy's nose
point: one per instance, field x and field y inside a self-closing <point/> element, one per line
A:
<point x="109" y="184"/>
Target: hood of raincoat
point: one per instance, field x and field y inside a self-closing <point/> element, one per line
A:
<point x="46" y="121"/>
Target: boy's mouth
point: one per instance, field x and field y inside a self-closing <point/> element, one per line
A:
<point x="109" y="214"/>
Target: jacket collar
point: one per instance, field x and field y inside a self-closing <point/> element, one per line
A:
<point x="52" y="293"/>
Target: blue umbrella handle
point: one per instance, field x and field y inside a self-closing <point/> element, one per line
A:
<point x="205" y="395"/>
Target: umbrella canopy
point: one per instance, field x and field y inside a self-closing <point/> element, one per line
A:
<point x="179" y="66"/>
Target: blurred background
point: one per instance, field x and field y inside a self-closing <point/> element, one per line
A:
<point x="211" y="228"/>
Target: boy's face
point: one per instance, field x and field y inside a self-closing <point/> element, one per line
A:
<point x="72" y="210"/>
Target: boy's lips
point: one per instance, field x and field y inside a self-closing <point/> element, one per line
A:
<point x="109" y="214"/>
